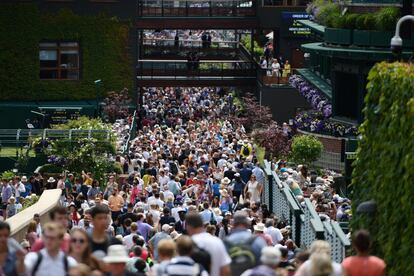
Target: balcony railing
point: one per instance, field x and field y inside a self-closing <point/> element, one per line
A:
<point x="184" y="8"/>
<point x="188" y="43"/>
<point x="285" y="3"/>
<point x="182" y="69"/>
<point x="268" y="78"/>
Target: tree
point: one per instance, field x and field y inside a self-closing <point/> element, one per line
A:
<point x="273" y="140"/>
<point x="251" y="115"/>
<point x="306" y="149"/>
<point x="83" y="152"/>
<point x="117" y="104"/>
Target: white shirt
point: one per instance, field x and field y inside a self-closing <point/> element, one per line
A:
<point x="48" y="265"/>
<point x="128" y="240"/>
<point x="215" y="247"/>
<point x="152" y="200"/>
<point x="167" y="194"/>
<point x="274" y="233"/>
<point x="19" y="188"/>
<point x="163" y="180"/>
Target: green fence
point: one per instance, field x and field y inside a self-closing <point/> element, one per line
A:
<point x="306" y="225"/>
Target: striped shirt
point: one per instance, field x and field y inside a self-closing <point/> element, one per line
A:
<point x="184" y="266"/>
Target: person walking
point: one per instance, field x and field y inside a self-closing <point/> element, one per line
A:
<point x="116" y="202"/>
<point x="51" y="260"/>
<point x="363" y="263"/>
<point x="220" y="260"/>
<point x="183" y="264"/>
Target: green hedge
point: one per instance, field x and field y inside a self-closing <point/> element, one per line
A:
<point x="329" y="14"/>
<point x="103" y="48"/>
<point x="384" y="165"/>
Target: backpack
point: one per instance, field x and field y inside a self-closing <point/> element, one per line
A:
<point x="202" y="257"/>
<point x="241" y="254"/>
<point x="39" y="260"/>
<point x="246" y="151"/>
<point x="212" y="219"/>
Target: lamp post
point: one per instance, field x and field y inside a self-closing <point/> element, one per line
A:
<point x="98" y="84"/>
<point x="396" y="41"/>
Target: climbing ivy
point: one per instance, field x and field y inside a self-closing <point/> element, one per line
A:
<point x="384" y="165"/>
<point x="103" y="50"/>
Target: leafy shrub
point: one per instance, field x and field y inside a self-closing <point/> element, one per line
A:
<point x="369" y="22"/>
<point x="384" y="165"/>
<point x="273" y="140"/>
<point x="257" y="50"/>
<point x="328" y="11"/>
<point x="350" y="20"/>
<point x="306" y="149"/>
<point x="8" y="175"/>
<point x="386" y="18"/>
<point x="116" y="104"/>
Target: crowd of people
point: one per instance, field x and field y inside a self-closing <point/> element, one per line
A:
<point x="188" y="38"/>
<point x="319" y="189"/>
<point x="189" y="204"/>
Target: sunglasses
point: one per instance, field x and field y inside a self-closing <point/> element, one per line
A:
<point x="80" y="241"/>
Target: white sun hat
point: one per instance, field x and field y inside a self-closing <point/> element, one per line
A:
<point x="116" y="254"/>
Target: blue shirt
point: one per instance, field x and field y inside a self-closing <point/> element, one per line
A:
<point x="28" y="187"/>
<point x="6" y="193"/>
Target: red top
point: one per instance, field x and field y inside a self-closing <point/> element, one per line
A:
<point x="361" y="265"/>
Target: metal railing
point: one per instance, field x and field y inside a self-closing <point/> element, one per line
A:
<point x="269" y="78"/>
<point x="178" y="69"/>
<point x="187" y="43"/>
<point x="306" y="225"/>
<point x="197" y="8"/>
<point x="17" y="137"/>
<point x="285" y="3"/>
<point x="132" y="133"/>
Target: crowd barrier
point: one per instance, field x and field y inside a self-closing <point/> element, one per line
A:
<point x="306" y="225"/>
<point x="19" y="222"/>
<point x="132" y="133"/>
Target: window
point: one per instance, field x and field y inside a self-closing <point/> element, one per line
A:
<point x="59" y="61"/>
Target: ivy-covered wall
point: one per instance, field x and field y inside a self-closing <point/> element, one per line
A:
<point x="104" y="53"/>
<point x="384" y="165"/>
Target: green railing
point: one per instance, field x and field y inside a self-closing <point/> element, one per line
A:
<point x="132" y="133"/>
<point x="306" y="225"/>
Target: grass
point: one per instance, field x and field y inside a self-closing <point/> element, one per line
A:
<point x="11" y="152"/>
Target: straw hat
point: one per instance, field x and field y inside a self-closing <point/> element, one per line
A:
<point x="260" y="227"/>
<point x="51" y="180"/>
<point x="225" y="181"/>
<point x="116" y="254"/>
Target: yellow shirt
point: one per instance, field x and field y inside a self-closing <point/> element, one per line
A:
<point x="87" y="180"/>
<point x="146" y="178"/>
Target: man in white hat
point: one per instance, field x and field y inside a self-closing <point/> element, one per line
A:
<point x="259" y="230"/>
<point x="116" y="259"/>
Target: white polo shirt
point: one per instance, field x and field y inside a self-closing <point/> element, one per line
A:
<point x="48" y="265"/>
<point x="217" y="250"/>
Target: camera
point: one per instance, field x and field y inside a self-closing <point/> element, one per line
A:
<point x="396" y="45"/>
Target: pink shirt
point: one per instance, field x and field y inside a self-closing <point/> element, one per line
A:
<point x="361" y="265"/>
